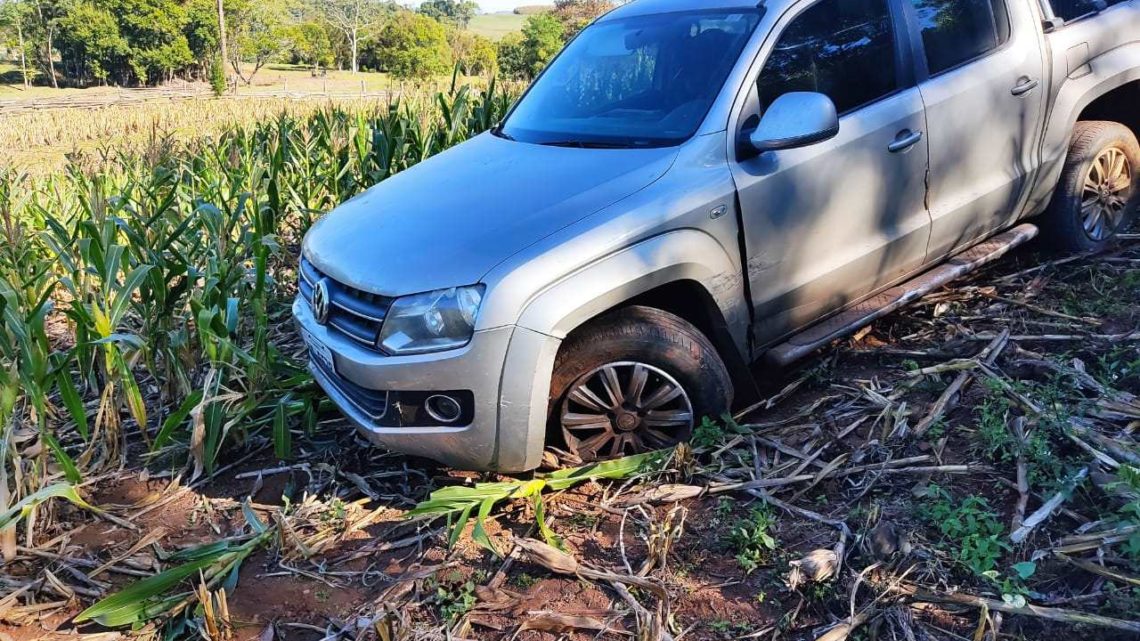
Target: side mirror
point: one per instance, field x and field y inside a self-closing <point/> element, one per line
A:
<point x="796" y="119"/>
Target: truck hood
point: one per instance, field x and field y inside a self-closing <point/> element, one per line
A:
<point x="448" y="220"/>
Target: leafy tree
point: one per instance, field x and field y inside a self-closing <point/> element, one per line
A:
<point x="121" y="40"/>
<point x="218" y="76"/>
<point x="14" y="18"/>
<point x="356" y="19"/>
<point x="46" y="15"/>
<point x="258" y="32"/>
<point x="201" y="31"/>
<point x="511" y="55"/>
<point x="312" y="45"/>
<point x="524" y="55"/>
<point x="456" y="12"/>
<point x="476" y="54"/>
<point x="153" y="29"/>
<point x="90" y="43"/>
<point x="413" y="46"/>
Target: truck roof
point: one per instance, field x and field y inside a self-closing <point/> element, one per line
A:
<point x="650" y="7"/>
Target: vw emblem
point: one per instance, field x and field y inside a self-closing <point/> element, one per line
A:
<point x="321" y="301"/>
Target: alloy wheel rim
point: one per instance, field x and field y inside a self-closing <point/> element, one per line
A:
<point x="1104" y="198"/>
<point x="623" y="408"/>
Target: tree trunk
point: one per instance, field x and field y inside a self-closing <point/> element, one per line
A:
<point x="222" y="34"/>
<point x="51" y="57"/>
<point x="23" y="55"/>
<point x="355" y="41"/>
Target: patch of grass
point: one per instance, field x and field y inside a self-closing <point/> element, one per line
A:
<point x="455" y="596"/>
<point x="752" y="540"/>
<point x="525" y="580"/>
<point x="1130" y="478"/>
<point x="712" y="433"/>
<point x="728" y="629"/>
<point x="582" y="521"/>
<point x="997" y="442"/>
<point x="1121" y="362"/>
<point x="970" y="530"/>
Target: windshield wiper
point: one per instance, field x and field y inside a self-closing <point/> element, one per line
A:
<point x="497" y="130"/>
<point x="582" y="144"/>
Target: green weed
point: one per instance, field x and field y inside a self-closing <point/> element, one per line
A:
<point x="752" y="540"/>
<point x="970" y="529"/>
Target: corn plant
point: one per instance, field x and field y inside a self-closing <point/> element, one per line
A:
<point x="458" y="502"/>
<point x="145" y="289"/>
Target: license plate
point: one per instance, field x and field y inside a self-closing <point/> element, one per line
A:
<point x="319" y="352"/>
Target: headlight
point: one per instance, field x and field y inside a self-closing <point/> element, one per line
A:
<point x="431" y="322"/>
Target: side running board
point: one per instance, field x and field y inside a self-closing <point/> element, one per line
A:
<point x="851" y="320"/>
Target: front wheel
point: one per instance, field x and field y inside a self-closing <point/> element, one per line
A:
<point x="635" y="380"/>
<point x="1098" y="191"/>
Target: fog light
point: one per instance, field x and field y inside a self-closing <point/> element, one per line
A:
<point x="443" y="408"/>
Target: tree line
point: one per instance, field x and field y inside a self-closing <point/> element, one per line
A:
<point x="149" y="42"/>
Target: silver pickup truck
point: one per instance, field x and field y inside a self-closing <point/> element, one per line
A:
<point x="695" y="185"/>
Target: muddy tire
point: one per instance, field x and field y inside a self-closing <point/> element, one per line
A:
<point x="636" y="379"/>
<point x="1099" y="189"/>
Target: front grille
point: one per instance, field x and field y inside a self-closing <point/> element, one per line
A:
<point x="374" y="403"/>
<point x="354" y="313"/>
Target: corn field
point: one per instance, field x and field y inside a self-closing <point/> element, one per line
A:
<point x="144" y="294"/>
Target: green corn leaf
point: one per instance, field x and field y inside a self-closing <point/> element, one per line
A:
<point x="460" y="523"/>
<point x="70" y="472"/>
<point x="72" y="401"/>
<point x="231" y="316"/>
<point x="252" y="519"/>
<point x="25" y="506"/>
<point x="126" y="291"/>
<point x="282" y="439"/>
<point x="199" y="552"/>
<point x="548" y="534"/>
<point x="230" y="584"/>
<point x="134" y="397"/>
<point x="132" y="604"/>
<point x="479" y="535"/>
<point x="176" y="418"/>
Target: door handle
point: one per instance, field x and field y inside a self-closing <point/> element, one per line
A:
<point x="1024" y="86"/>
<point x="904" y="141"/>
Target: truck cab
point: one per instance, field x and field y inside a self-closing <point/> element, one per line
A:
<point x="691" y="187"/>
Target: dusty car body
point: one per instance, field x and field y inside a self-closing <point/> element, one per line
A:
<point x="454" y="311"/>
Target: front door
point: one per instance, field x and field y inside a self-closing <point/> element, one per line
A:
<point x="827" y="224"/>
<point x="985" y="105"/>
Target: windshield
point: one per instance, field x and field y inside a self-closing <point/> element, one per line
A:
<point x="646" y="81"/>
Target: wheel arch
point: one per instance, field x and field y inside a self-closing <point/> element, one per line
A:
<point x="1105" y="81"/>
<point x="686" y="272"/>
<point x="1121" y="105"/>
<point x="691" y="301"/>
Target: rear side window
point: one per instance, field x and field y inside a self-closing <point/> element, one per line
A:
<point x="957" y="31"/>
<point x="842" y="48"/>
<point x="1073" y="9"/>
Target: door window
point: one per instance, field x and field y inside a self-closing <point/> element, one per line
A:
<point x="1073" y="9"/>
<point x="957" y="31"/>
<point x="842" y="48"/>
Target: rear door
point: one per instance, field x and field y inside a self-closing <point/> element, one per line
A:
<point x="827" y="224"/>
<point x="982" y="78"/>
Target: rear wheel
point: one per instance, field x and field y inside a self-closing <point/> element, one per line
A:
<point x="635" y="380"/>
<point x="1098" y="192"/>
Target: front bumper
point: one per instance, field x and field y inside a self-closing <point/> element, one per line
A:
<point x="507" y="370"/>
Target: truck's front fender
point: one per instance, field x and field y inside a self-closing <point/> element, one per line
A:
<point x="550" y="315"/>
<point x="1084" y="79"/>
